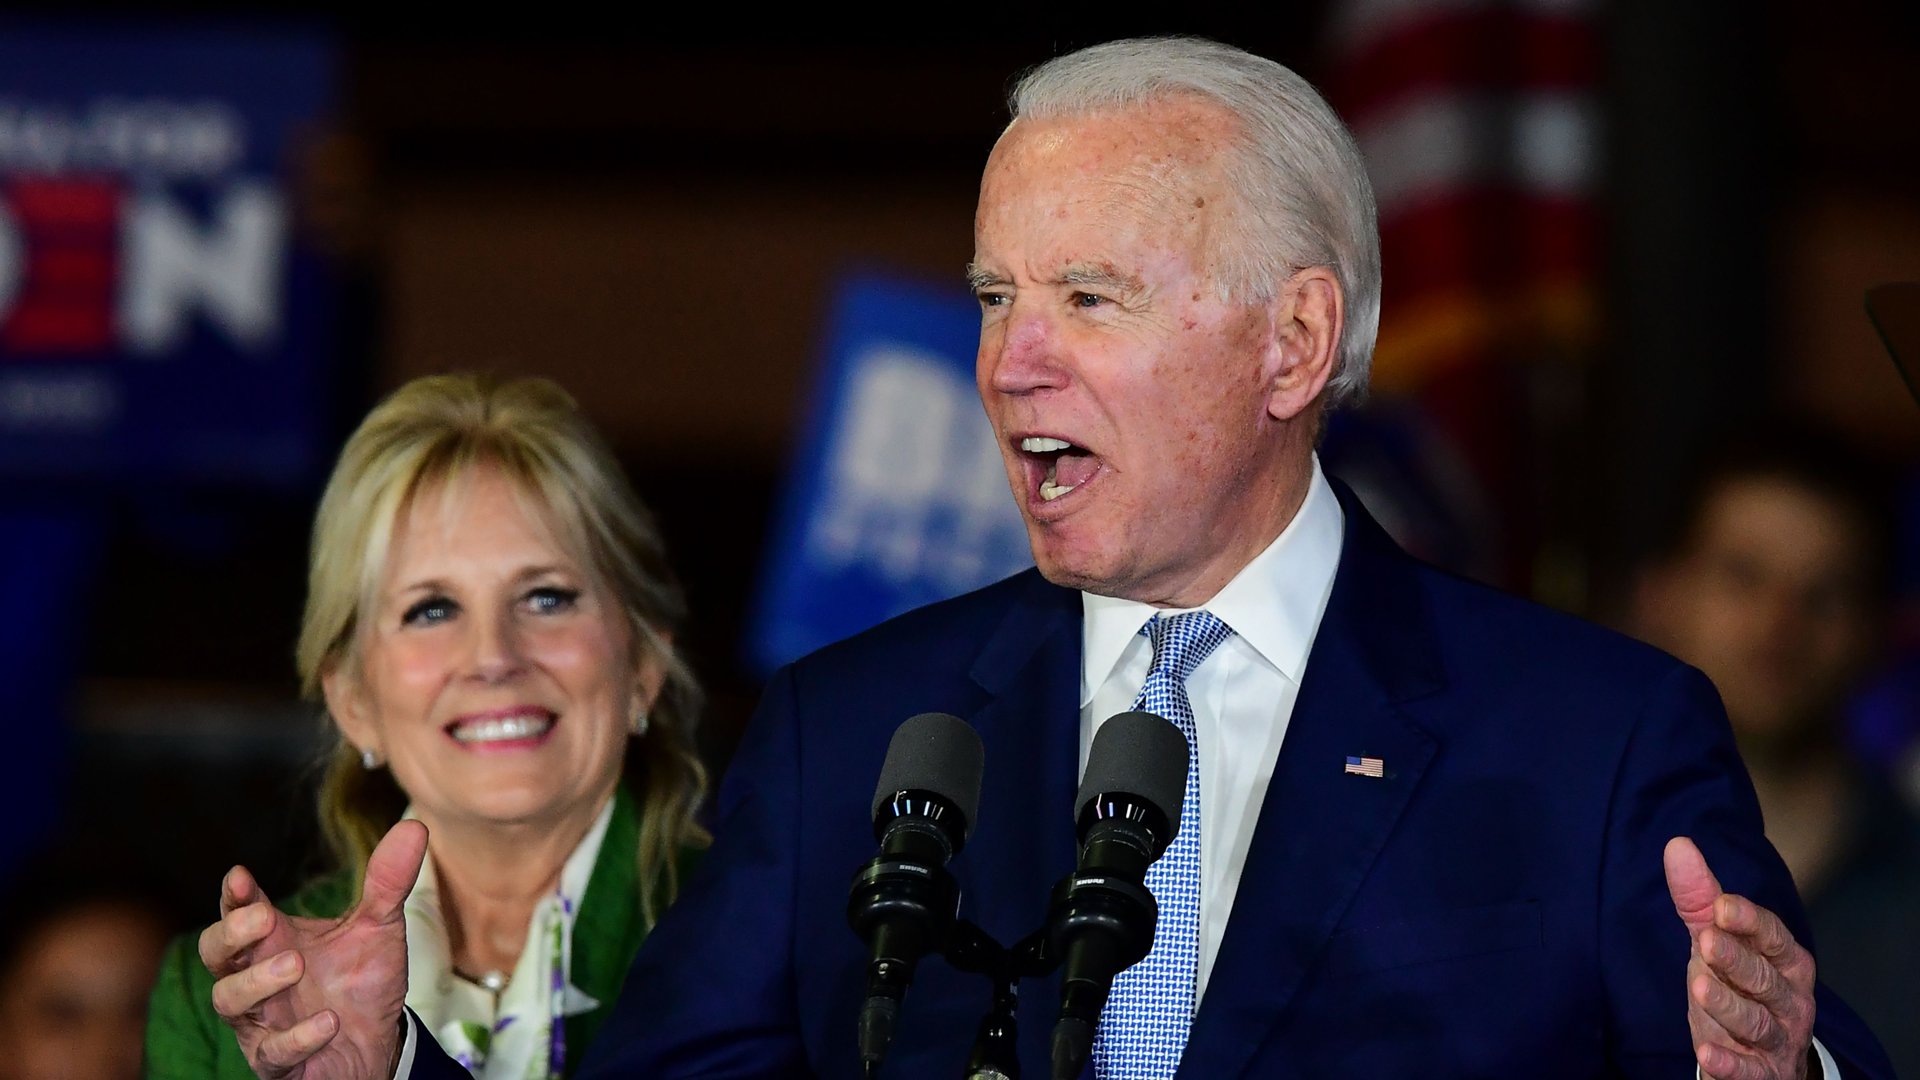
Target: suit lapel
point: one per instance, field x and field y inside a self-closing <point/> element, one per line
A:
<point x="1030" y="726"/>
<point x="1319" y="829"/>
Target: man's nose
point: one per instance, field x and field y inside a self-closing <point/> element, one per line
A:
<point x="1027" y="356"/>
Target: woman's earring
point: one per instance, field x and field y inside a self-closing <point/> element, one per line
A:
<point x="639" y="723"/>
<point x="369" y="760"/>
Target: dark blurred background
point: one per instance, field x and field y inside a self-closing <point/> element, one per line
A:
<point x="1654" y="232"/>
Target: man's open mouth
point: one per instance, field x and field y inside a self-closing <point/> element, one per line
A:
<point x="1058" y="465"/>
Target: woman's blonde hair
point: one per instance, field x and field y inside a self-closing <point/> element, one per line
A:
<point x="435" y="431"/>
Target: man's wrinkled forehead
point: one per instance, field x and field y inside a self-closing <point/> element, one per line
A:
<point x="1155" y="167"/>
<point x="1167" y="139"/>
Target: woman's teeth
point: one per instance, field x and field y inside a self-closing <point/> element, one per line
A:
<point x="503" y="728"/>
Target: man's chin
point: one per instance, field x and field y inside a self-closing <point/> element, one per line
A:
<point x="1087" y="572"/>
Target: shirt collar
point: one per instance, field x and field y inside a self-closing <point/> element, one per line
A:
<point x="1274" y="603"/>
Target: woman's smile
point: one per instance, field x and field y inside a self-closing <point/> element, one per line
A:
<point x="518" y="727"/>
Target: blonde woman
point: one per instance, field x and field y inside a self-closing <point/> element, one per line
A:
<point x="490" y="623"/>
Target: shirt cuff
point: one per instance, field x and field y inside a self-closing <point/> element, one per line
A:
<point x="404" y="1069"/>
<point x="1829" y="1068"/>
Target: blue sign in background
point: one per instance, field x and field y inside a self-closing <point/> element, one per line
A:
<point x="160" y="327"/>
<point x="157" y="318"/>
<point x="898" y="495"/>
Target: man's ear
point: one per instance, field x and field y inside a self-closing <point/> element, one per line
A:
<point x="347" y="704"/>
<point x="1307" y="318"/>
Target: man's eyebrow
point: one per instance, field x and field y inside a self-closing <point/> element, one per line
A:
<point x="1102" y="276"/>
<point x="979" y="277"/>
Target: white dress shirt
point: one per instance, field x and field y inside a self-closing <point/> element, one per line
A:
<point x="1242" y="693"/>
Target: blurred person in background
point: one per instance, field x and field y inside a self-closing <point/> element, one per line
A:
<point x="1774" y="585"/>
<point x="77" y="956"/>
<point x="490" y="622"/>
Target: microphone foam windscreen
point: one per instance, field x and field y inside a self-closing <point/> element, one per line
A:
<point x="1141" y="754"/>
<point x="938" y="753"/>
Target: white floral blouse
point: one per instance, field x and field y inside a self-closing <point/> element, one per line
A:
<point x="507" y="1029"/>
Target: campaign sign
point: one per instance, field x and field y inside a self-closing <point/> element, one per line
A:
<point x="898" y="495"/>
<point x="156" y="318"/>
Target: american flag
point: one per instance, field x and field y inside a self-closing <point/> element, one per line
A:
<point x="1480" y="127"/>
<point x="1366" y="766"/>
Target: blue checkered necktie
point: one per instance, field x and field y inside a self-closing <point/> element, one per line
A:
<point x="1143" y="1029"/>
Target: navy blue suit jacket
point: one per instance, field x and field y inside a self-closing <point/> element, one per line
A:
<point x="1494" y="906"/>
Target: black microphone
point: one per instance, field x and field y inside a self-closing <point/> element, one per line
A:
<point x="1101" y="918"/>
<point x="904" y="903"/>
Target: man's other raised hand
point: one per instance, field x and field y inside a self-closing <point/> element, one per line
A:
<point x="318" y="999"/>
<point x="1749" y="984"/>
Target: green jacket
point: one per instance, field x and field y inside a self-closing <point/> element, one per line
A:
<point x="187" y="1041"/>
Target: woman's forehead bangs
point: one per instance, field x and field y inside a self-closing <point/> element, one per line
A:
<point x="442" y="478"/>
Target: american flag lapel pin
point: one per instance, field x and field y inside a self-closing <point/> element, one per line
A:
<point x="1366" y="766"/>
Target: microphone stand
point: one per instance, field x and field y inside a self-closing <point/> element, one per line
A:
<point x="995" y="1054"/>
<point x="1100" y="918"/>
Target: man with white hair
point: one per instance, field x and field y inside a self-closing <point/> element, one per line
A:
<point x="1429" y="829"/>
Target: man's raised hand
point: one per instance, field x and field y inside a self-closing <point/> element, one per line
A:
<point x="1749" y="984"/>
<point x="318" y="999"/>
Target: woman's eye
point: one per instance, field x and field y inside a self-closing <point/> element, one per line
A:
<point x="434" y="609"/>
<point x="549" y="600"/>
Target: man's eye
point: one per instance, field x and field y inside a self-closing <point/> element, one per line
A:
<point x="1087" y="300"/>
<point x="546" y="601"/>
<point x="988" y="299"/>
<point x="434" y="609"/>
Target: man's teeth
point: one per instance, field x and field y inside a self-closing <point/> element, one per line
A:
<point x="1044" y="445"/>
<point x="501" y="729"/>
<point x="1050" y="488"/>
